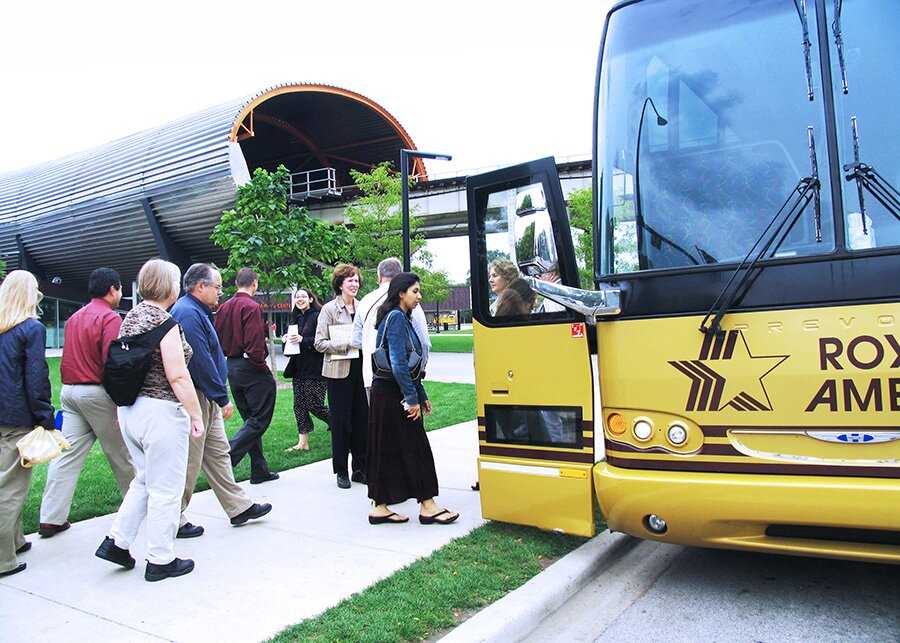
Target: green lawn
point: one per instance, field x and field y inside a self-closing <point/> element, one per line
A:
<point x="97" y="493"/>
<point x="437" y="592"/>
<point x="450" y="343"/>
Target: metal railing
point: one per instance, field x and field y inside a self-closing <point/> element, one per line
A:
<point x="314" y="184"/>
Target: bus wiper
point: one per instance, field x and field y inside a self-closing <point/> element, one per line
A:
<point x="771" y="238"/>
<point x="839" y="42"/>
<point x="800" y="5"/>
<point x="867" y="178"/>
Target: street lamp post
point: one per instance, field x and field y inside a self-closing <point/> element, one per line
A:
<point x="405" y="155"/>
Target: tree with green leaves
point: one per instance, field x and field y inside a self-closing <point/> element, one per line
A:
<point x="435" y="286"/>
<point x="281" y="242"/>
<point x="580" y="214"/>
<point x="375" y="222"/>
<point x="2" y="269"/>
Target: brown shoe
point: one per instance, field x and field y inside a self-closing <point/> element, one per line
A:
<point x="46" y="530"/>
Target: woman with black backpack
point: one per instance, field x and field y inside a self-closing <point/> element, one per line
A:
<point x="400" y="465"/>
<point x="156" y="426"/>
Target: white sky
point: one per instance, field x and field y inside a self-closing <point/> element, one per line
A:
<point x="489" y="82"/>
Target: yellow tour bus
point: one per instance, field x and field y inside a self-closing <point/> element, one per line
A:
<point x="732" y="376"/>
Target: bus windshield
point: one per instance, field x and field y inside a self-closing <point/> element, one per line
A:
<point x="702" y="132"/>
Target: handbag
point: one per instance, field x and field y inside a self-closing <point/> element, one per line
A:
<point x="40" y="446"/>
<point x="381" y="359"/>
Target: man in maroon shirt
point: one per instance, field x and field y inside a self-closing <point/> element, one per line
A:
<point x="242" y="333"/>
<point x="88" y="412"/>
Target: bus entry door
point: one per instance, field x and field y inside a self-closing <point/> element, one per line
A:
<point x="532" y="357"/>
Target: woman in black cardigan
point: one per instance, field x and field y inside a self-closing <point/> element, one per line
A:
<point x="305" y="368"/>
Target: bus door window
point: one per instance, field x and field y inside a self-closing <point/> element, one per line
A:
<point x="519" y="242"/>
<point x="871" y="52"/>
<point x="534" y="426"/>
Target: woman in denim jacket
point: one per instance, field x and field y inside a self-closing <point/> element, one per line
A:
<point x="24" y="404"/>
<point x="400" y="464"/>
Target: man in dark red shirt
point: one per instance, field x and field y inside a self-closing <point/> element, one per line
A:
<point x="88" y="412"/>
<point x="242" y="333"/>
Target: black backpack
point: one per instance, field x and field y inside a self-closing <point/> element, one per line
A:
<point x="129" y="360"/>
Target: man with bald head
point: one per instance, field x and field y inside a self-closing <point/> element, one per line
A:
<point x="211" y="452"/>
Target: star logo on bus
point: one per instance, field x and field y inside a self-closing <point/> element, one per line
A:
<point x="728" y="374"/>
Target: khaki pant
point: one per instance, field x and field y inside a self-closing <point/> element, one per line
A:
<point x="211" y="452"/>
<point x="88" y="415"/>
<point x="156" y="433"/>
<point x="14" y="479"/>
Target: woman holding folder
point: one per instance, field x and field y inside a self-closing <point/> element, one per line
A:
<point x="304" y="366"/>
<point x="342" y="368"/>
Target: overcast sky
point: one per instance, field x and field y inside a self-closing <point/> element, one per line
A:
<point x="490" y="83"/>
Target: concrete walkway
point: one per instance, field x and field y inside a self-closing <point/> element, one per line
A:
<point x="314" y="550"/>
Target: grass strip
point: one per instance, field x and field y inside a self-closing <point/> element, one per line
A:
<point x="451" y="343"/>
<point x="436" y="593"/>
<point x="97" y="493"/>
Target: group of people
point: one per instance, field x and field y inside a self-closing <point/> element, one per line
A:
<point x="375" y="415"/>
<point x="157" y="446"/>
<point x="369" y="357"/>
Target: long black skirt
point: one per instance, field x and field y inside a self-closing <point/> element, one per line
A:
<point x="401" y="465"/>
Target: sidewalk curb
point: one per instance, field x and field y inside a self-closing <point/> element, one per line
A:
<point x="518" y="613"/>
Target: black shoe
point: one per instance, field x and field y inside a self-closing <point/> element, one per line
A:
<point x="265" y="478"/>
<point x="343" y="482"/>
<point x="23" y="548"/>
<point x="15" y="570"/>
<point x="254" y="511"/>
<point x="46" y="530"/>
<point x="109" y="550"/>
<point x="187" y="530"/>
<point x="177" y="567"/>
<point x="360" y="477"/>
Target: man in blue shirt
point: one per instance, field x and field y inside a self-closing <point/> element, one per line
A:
<point x="193" y="311"/>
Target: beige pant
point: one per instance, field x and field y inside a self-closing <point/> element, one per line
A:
<point x="14" y="479"/>
<point x="211" y="453"/>
<point x="88" y="415"/>
<point x="156" y="433"/>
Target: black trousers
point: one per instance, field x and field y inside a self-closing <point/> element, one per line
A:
<point x="253" y="391"/>
<point x="348" y="419"/>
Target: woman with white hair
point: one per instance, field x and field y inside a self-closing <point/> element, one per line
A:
<point x="156" y="429"/>
<point x="24" y="404"/>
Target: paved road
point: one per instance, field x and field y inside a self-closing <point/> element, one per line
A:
<point x="658" y="592"/>
<point x="314" y="550"/>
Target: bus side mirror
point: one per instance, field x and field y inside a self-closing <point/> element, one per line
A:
<point x="590" y="303"/>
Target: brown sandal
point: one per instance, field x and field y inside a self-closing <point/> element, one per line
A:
<point x="434" y="519"/>
<point x="386" y="520"/>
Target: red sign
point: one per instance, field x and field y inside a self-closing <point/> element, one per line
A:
<point x="577" y="331"/>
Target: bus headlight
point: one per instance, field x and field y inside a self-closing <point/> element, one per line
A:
<point x="616" y="424"/>
<point x="655" y="524"/>
<point x="643" y="430"/>
<point x="677" y="434"/>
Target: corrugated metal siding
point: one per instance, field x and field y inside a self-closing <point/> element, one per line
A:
<point x="84" y="210"/>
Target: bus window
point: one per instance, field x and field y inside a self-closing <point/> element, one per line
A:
<point x="519" y="241"/>
<point x="696" y="150"/>
<point x="871" y="51"/>
<point x="545" y="426"/>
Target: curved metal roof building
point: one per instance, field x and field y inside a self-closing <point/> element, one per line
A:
<point x="160" y="192"/>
